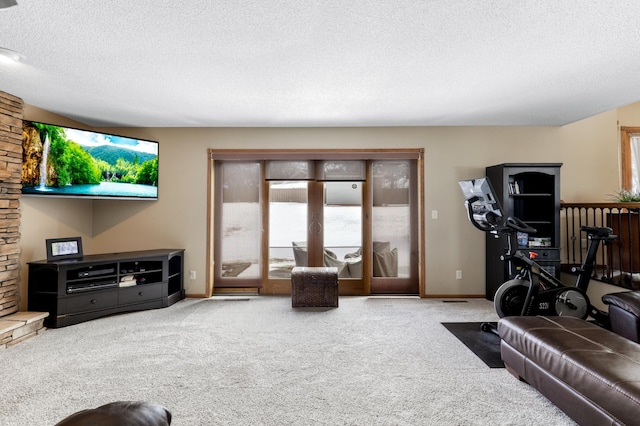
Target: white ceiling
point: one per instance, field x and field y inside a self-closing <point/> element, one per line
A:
<point x="157" y="63"/>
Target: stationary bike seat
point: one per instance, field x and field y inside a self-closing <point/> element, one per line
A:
<point x="597" y="231"/>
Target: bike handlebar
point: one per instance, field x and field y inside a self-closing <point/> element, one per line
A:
<point x="485" y="222"/>
<point x="490" y="222"/>
<point x="519" y="225"/>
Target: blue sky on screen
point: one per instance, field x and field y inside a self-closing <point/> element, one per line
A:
<point x="86" y="138"/>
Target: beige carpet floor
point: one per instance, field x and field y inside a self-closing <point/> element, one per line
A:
<point x="257" y="361"/>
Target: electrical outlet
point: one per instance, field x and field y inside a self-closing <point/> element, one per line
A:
<point x="459" y="274"/>
<point x="192" y="275"/>
<point x="434" y="214"/>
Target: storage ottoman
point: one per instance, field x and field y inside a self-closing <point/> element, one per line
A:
<point x="314" y="287"/>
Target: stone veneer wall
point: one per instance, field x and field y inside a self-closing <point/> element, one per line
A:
<point x="11" y="113"/>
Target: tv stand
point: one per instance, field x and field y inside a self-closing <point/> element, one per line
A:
<point x="78" y="290"/>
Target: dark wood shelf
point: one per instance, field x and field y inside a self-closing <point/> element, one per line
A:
<point x="74" y="291"/>
<point x="530" y="192"/>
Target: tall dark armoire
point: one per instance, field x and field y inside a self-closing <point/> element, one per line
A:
<point x="530" y="192"/>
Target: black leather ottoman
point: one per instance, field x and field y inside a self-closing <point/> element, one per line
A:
<point x="624" y="313"/>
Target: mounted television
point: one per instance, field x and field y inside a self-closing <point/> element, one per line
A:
<point x="62" y="161"/>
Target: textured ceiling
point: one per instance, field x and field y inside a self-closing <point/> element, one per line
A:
<point x="156" y="63"/>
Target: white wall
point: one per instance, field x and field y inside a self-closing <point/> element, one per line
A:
<point x="588" y="149"/>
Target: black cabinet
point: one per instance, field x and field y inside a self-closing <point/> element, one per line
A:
<point x="73" y="291"/>
<point x="530" y="192"/>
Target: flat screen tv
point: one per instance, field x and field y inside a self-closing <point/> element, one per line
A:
<point x="62" y="161"/>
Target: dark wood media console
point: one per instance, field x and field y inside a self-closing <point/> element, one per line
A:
<point x="74" y="291"/>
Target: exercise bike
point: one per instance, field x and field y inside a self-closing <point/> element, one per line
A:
<point x="533" y="290"/>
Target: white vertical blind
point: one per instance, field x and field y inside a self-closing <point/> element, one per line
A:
<point x="345" y="171"/>
<point x="635" y="162"/>
<point x="321" y="170"/>
<point x="290" y="170"/>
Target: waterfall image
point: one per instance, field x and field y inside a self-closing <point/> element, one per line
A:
<point x="67" y="162"/>
<point x="43" y="163"/>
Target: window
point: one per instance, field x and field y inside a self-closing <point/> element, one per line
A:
<point x="630" y="158"/>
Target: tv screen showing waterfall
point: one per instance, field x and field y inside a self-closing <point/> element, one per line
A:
<point x="66" y="162"/>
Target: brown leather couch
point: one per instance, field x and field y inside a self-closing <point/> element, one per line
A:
<point x="590" y="373"/>
<point x="624" y="313"/>
<point x="121" y="413"/>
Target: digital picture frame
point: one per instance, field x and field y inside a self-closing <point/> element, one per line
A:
<point x="64" y="248"/>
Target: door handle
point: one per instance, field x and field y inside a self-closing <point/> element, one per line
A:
<point x="315" y="228"/>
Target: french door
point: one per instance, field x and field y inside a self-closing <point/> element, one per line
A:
<point x="319" y="223"/>
<point x="270" y="215"/>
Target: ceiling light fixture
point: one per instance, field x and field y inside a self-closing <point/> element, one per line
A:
<point x="7" y="3"/>
<point x="10" y="56"/>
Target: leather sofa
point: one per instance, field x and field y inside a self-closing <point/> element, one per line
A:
<point x="590" y="373"/>
<point x="121" y="413"/>
<point x="624" y="313"/>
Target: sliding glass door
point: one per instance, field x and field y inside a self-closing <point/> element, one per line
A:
<point x="360" y="216"/>
<point x="288" y="227"/>
<point x="331" y="230"/>
<point x="342" y="228"/>
<point x="237" y="252"/>
<point x="394" y="236"/>
<point x="316" y="221"/>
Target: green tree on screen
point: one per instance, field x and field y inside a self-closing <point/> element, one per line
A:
<point x="73" y="165"/>
<point x="148" y="173"/>
<point x="82" y="168"/>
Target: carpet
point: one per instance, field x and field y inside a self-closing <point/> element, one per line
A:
<point x="253" y="360"/>
<point x="485" y="345"/>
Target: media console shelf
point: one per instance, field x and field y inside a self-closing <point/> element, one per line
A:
<point x="74" y="291"/>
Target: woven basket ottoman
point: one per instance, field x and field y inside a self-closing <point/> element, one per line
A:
<point x="314" y="287"/>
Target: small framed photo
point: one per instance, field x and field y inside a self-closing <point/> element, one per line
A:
<point x="523" y="239"/>
<point x="64" y="248"/>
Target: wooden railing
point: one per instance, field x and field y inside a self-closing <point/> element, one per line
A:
<point x="617" y="263"/>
